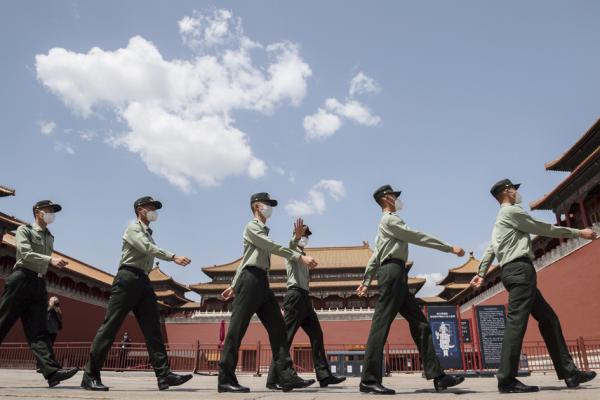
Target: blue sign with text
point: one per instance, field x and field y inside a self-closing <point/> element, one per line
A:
<point x="446" y="336"/>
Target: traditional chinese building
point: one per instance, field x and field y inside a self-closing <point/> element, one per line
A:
<point x="4" y="191"/>
<point x="576" y="200"/>
<point x="332" y="286"/>
<point x="168" y="291"/>
<point x="567" y="269"/>
<point x="567" y="273"/>
<point x="457" y="281"/>
<point x="7" y="223"/>
<point x="83" y="289"/>
<point x="575" y="203"/>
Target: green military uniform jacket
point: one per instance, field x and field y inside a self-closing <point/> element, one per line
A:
<point x="34" y="248"/>
<point x="510" y="236"/>
<point x="392" y="241"/>
<point x="258" y="248"/>
<point x="139" y="249"/>
<point x="298" y="275"/>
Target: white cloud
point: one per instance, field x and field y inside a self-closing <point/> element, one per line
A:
<point x="362" y="84"/>
<point x="315" y="202"/>
<point x="321" y="124"/>
<point x="64" y="147"/>
<point x="430" y="288"/>
<point x="329" y="118"/>
<point x="179" y="113"/>
<point x="291" y="177"/>
<point x="186" y="154"/>
<point x="354" y="111"/>
<point x="334" y="187"/>
<point x="46" y="127"/>
<point x="278" y="170"/>
<point x="87" y="135"/>
<point x="201" y="32"/>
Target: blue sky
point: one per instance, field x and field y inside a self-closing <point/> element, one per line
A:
<point x="201" y="104"/>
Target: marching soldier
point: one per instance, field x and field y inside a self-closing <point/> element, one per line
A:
<point x="389" y="260"/>
<point x="25" y="294"/>
<point x="299" y="312"/>
<point x="132" y="291"/>
<point x="511" y="245"/>
<point x="250" y="286"/>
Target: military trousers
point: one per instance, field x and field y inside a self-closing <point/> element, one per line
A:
<point x="131" y="291"/>
<point x="395" y="298"/>
<point x="300" y="313"/>
<point x="253" y="296"/>
<point x="25" y="297"/>
<point x="524" y="299"/>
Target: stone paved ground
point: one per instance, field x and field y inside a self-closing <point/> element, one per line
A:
<point x="19" y="384"/>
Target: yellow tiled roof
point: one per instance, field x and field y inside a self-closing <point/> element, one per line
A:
<point x="157" y="275"/>
<point x="4" y="191"/>
<point x="212" y="287"/>
<point x="589" y="138"/>
<point x="328" y="258"/>
<point x="590" y="161"/>
<point x="191" y="304"/>
<point x="74" y="265"/>
<point x="433" y="299"/>
<point x="162" y="294"/>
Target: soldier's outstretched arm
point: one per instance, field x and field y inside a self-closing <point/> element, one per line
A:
<point x="409" y="235"/>
<point x="524" y="222"/>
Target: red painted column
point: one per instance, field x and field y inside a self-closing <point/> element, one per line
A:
<point x="568" y="218"/>
<point x="558" y="222"/>
<point x="584" y="216"/>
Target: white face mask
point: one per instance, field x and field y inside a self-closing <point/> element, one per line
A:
<point x="398" y="204"/>
<point x="48" y="217"/>
<point x="151" y="215"/>
<point x="518" y="198"/>
<point x="303" y="242"/>
<point x="266" y="211"/>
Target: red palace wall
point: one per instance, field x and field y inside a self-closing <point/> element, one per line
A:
<point x="571" y="286"/>
<point x="335" y="333"/>
<point x="80" y="322"/>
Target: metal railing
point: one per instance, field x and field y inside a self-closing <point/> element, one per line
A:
<point x="256" y="358"/>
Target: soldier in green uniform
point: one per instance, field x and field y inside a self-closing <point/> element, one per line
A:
<point x="25" y="294"/>
<point x="250" y="286"/>
<point x="299" y="312"/>
<point x="389" y="261"/>
<point x="132" y="291"/>
<point x="511" y="245"/>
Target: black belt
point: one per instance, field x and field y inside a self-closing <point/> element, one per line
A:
<point x="299" y="289"/>
<point x="393" y="261"/>
<point x="30" y="273"/>
<point x="133" y="269"/>
<point x="252" y="268"/>
<point x="524" y="259"/>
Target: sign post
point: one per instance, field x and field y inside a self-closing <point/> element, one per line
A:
<point x="491" y="321"/>
<point x="444" y="324"/>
